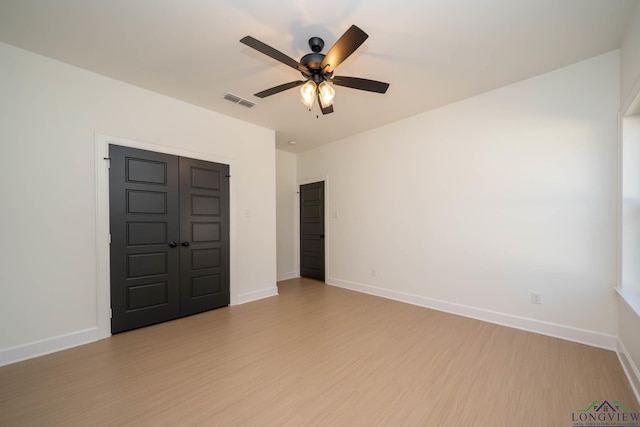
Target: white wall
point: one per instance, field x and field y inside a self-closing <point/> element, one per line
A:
<point x="629" y="319"/>
<point x="286" y="208"/>
<point x="471" y="207"/>
<point x="49" y="115"/>
<point x="630" y="60"/>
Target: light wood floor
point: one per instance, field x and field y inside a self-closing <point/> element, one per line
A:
<point x="314" y="355"/>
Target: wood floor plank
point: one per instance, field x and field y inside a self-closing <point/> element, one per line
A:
<point x="314" y="355"/>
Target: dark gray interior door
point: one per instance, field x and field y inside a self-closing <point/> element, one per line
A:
<point x="312" y="230"/>
<point x="143" y="199"/>
<point x="169" y="225"/>
<point x="204" y="230"/>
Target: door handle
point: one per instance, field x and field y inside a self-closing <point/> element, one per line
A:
<point x="322" y="236"/>
<point x="185" y="243"/>
<point x="172" y="244"/>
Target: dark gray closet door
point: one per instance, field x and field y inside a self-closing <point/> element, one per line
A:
<point x="143" y="198"/>
<point x="169" y="229"/>
<point x="204" y="231"/>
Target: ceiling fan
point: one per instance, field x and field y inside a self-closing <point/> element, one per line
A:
<point x="317" y="69"/>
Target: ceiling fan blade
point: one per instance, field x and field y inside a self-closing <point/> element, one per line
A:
<point x="278" y="89"/>
<point x="325" y="110"/>
<point x="345" y="46"/>
<point x="362" y="84"/>
<point x="273" y="53"/>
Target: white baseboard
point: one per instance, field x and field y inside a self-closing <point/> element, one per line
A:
<point x="288" y="276"/>
<point x="256" y="295"/>
<point x="74" y="339"/>
<point x="630" y="368"/>
<point x="569" y="333"/>
<point x="46" y="346"/>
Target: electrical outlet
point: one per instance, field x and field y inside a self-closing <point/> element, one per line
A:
<point x="536" y="298"/>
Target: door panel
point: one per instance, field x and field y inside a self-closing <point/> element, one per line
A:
<point x="204" y="217"/>
<point x="149" y="295"/>
<point x="312" y="257"/>
<point x="146" y="233"/>
<point x="205" y="232"/>
<point x="143" y="198"/>
<point x="151" y="264"/>
<point x="149" y="202"/>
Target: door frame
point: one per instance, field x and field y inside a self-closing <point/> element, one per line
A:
<point x="103" y="276"/>
<point x="327" y="231"/>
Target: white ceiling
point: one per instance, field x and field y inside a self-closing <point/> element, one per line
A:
<point x="432" y="52"/>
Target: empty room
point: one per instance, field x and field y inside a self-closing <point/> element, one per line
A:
<point x="232" y="213"/>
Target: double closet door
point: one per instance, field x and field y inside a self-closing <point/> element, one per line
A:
<point x="169" y="225"/>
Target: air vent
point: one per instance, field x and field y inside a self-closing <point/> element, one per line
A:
<point x="246" y="103"/>
<point x="231" y="97"/>
<point x="238" y="100"/>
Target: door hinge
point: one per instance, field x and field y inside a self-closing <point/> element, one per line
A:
<point x="109" y="238"/>
<point x="110" y="313"/>
<point x="108" y="159"/>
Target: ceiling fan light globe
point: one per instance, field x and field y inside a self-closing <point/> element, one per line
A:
<point x="327" y="93"/>
<point x="308" y="93"/>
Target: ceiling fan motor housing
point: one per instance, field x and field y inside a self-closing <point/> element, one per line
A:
<point x="313" y="62"/>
